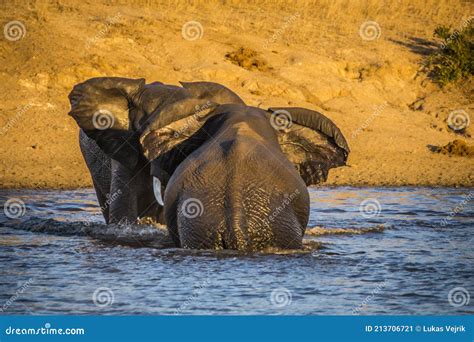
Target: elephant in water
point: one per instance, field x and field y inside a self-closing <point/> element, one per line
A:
<point x="233" y="176"/>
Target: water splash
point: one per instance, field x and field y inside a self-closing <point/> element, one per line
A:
<point x="319" y="231"/>
<point x="144" y="235"/>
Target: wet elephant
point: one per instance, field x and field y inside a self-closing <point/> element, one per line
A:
<point x="233" y="176"/>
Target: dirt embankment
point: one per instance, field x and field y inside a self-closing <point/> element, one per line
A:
<point x="365" y="77"/>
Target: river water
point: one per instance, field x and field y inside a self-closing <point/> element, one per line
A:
<point x="377" y="251"/>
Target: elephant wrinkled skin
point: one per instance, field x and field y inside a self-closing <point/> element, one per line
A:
<point x="233" y="176"/>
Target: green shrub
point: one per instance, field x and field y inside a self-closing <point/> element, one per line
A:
<point x="455" y="58"/>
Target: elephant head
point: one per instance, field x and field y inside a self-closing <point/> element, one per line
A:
<point x="113" y="110"/>
<point x="201" y="142"/>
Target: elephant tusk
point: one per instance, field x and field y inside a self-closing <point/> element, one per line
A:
<point x="157" y="191"/>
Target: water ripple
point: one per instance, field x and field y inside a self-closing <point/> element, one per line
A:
<point x="408" y="267"/>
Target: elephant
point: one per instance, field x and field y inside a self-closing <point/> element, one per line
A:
<point x="233" y="176"/>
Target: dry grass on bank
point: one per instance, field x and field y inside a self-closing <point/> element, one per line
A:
<point x="308" y="54"/>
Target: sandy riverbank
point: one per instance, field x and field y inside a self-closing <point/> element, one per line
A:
<point x="389" y="112"/>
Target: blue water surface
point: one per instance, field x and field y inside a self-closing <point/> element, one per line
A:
<point x="421" y="262"/>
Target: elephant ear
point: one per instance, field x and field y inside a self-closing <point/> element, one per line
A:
<point x="211" y="91"/>
<point x="312" y="142"/>
<point x="103" y="108"/>
<point x="167" y="141"/>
